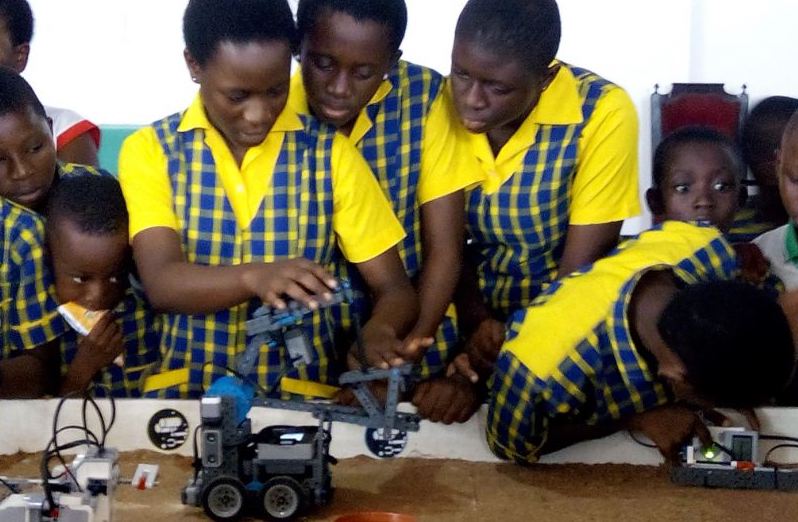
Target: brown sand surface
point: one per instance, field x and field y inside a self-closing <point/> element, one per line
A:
<point x="449" y="490"/>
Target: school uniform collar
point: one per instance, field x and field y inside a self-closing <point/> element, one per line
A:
<point x="196" y="118"/>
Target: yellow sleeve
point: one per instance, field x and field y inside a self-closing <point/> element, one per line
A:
<point x="144" y="178"/>
<point x="362" y="217"/>
<point x="447" y="165"/>
<point x="606" y="184"/>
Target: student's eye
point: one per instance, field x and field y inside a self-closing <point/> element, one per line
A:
<point x="501" y="90"/>
<point x="723" y="186"/>
<point x="323" y="63"/>
<point x="237" y="96"/>
<point x="78" y="280"/>
<point x="113" y="280"/>
<point x="459" y="73"/>
<point x="277" y="92"/>
<point x="681" y="188"/>
<point x="37" y="147"/>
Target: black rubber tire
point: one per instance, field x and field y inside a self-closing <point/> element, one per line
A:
<point x="224" y="498"/>
<point x="282" y="498"/>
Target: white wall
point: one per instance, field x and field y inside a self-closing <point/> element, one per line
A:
<point x="120" y="61"/>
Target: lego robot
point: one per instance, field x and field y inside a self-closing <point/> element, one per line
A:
<point x="281" y="471"/>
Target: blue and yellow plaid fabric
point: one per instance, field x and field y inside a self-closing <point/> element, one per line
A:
<point x="520" y="230"/>
<point x="141" y="350"/>
<point x="601" y="376"/>
<point x="393" y="147"/>
<point x="295" y="220"/>
<point x="28" y="312"/>
<point x="748" y="224"/>
<point x="75" y="169"/>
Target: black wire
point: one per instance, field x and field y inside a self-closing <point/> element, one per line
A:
<point x="778" y="437"/>
<point x="778" y="446"/>
<point x="11" y="487"/>
<point x="645" y="444"/>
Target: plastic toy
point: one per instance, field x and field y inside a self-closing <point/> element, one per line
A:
<point x="281" y="471"/>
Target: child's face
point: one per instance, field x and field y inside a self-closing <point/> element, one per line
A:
<point x="788" y="175"/>
<point x="701" y="184"/>
<point x="491" y="91"/>
<point x="27" y="158"/>
<point x="89" y="269"/>
<point x="343" y="64"/>
<point x="244" y="88"/>
<point x="12" y="56"/>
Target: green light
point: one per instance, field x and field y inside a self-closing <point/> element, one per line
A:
<point x="709" y="452"/>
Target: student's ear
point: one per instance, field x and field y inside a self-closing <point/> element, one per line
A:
<point x="194" y="68"/>
<point x="655" y="202"/>
<point x="21" y="53"/>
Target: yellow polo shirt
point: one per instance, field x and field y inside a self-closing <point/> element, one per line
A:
<point x="446" y="166"/>
<point x="605" y="188"/>
<point x="363" y="220"/>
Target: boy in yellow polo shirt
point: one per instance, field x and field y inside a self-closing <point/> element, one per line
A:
<point x="558" y="146"/>
<point x="239" y="200"/>
<point x="394" y="111"/>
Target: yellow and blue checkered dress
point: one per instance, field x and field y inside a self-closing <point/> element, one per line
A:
<point x="28" y="312"/>
<point x="585" y="368"/>
<point x="392" y="148"/>
<point x="141" y="351"/>
<point x="295" y="220"/>
<point x="519" y="230"/>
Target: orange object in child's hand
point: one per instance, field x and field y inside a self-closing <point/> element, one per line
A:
<point x="82" y="320"/>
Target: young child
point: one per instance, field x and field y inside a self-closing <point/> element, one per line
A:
<point x="558" y="146"/>
<point x="632" y="342"/>
<point x="760" y="142"/>
<point x="76" y="138"/>
<point x="30" y="168"/>
<point x="696" y="176"/>
<point x="29" y="320"/>
<point x="239" y="200"/>
<point x="780" y="246"/>
<point x="87" y="242"/>
<point x="394" y="112"/>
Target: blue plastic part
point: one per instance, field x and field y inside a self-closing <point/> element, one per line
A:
<point x="242" y="393"/>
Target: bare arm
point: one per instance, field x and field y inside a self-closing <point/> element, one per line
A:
<point x="81" y="150"/>
<point x="31" y="374"/>
<point x="175" y="285"/>
<point x="442" y="226"/>
<point x="587" y="244"/>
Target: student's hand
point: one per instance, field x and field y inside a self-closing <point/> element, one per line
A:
<point x="383" y="349"/>
<point x="669" y="427"/>
<point x="484" y="345"/>
<point x="297" y="278"/>
<point x="446" y="399"/>
<point x="754" y="265"/>
<point x="462" y="366"/>
<point x="415" y="346"/>
<point x="101" y="347"/>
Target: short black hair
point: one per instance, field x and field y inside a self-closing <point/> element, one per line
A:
<point x="207" y="23"/>
<point x="390" y="13"/>
<point x="19" y="20"/>
<point x="733" y="339"/>
<point x="92" y="202"/>
<point x="692" y="134"/>
<point x="16" y="94"/>
<point x="524" y="30"/>
<point x="764" y="127"/>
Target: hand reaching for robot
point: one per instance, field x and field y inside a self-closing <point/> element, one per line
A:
<point x="298" y="278"/>
<point x="670" y="427"/>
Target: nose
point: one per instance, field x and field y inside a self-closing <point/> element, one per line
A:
<point x="475" y="97"/>
<point x="95" y="295"/>
<point x="339" y="86"/>
<point x="21" y="168"/>
<point x="704" y="197"/>
<point x="258" y="114"/>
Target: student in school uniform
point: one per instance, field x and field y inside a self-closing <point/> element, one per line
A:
<point x="352" y="77"/>
<point x="239" y="200"/>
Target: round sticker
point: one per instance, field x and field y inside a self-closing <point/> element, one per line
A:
<point x="168" y="429"/>
<point x="385" y="447"/>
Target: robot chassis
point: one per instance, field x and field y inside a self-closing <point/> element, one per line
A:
<point x="282" y="471"/>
